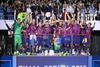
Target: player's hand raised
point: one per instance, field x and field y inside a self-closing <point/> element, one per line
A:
<point x="14" y="11"/>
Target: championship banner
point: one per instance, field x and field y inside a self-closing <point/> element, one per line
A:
<point x="52" y="61"/>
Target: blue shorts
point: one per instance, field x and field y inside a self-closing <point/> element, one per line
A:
<point x="86" y="41"/>
<point x="76" y="39"/>
<point x="89" y="42"/>
<point x="82" y="39"/>
<point x="66" y="39"/>
<point x="47" y="40"/>
<point x="40" y="40"/>
<point x="24" y="41"/>
<point x="32" y="41"/>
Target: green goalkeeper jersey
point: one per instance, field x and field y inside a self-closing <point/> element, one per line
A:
<point x="17" y="34"/>
<point x="17" y="27"/>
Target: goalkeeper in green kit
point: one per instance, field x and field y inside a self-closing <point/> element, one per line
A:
<point x="17" y="32"/>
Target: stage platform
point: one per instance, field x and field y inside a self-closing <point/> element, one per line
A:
<point x="50" y="61"/>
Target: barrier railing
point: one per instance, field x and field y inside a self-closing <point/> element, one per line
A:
<point x="51" y="36"/>
<point x="48" y="39"/>
<point x="29" y="42"/>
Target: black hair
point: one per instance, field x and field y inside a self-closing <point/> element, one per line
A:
<point x="57" y="23"/>
<point x="90" y="23"/>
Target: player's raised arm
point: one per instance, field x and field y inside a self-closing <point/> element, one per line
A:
<point x="30" y="19"/>
<point x="94" y="25"/>
<point x="26" y="15"/>
<point x="14" y="14"/>
<point x="37" y="20"/>
<point x="78" y="17"/>
<point x="44" y="20"/>
<point x="81" y="25"/>
<point x="68" y="15"/>
<point x="50" y="21"/>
